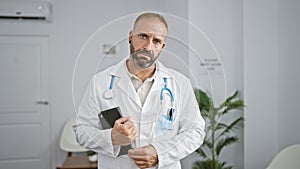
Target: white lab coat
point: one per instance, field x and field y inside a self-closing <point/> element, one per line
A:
<point x="185" y="137"/>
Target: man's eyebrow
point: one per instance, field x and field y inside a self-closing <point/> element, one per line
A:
<point x="154" y="35"/>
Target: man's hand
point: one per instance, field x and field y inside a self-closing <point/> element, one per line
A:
<point x="144" y="157"/>
<point x="123" y="132"/>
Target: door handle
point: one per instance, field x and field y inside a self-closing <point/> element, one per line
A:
<point x="42" y="102"/>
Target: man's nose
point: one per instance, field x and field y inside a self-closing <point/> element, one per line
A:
<point x="149" y="45"/>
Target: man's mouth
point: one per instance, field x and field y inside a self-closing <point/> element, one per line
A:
<point x="144" y="57"/>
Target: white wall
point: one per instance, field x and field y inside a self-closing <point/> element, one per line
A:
<point x="221" y="22"/>
<point x="271" y="78"/>
<point x="261" y="82"/>
<point x="289" y="69"/>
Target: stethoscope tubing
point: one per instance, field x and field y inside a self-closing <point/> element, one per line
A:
<point x="111" y="82"/>
<point x="167" y="89"/>
<point x="161" y="91"/>
<point x="109" y="95"/>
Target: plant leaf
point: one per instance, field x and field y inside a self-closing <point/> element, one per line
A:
<point x="208" y="144"/>
<point x="228" y="100"/>
<point x="225" y="142"/>
<point x="208" y="163"/>
<point x="201" y="165"/>
<point x="232" y="125"/>
<point x="201" y="153"/>
<point x="232" y="97"/>
<point x="203" y="100"/>
<point x="238" y="104"/>
<point x="221" y="126"/>
<point x="204" y="113"/>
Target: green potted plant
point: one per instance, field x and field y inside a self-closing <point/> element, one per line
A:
<point x="218" y="133"/>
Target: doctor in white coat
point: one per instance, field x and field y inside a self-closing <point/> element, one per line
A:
<point x="160" y="119"/>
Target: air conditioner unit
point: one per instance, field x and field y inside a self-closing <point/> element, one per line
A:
<point x="25" y="10"/>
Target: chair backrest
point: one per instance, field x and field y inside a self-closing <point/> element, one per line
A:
<point x="288" y="158"/>
<point x="68" y="141"/>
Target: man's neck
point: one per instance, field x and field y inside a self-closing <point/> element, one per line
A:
<point x="142" y="74"/>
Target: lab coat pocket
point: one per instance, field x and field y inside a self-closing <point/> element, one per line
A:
<point x="166" y="121"/>
<point x="165" y="125"/>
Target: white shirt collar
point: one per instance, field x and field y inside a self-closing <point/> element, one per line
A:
<point x="135" y="77"/>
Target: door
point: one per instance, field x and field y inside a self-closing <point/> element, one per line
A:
<point x="24" y="108"/>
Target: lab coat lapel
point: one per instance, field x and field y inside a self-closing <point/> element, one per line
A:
<point x="125" y="84"/>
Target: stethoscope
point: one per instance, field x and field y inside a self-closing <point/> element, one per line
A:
<point x="108" y="94"/>
<point x="171" y="110"/>
<point x="168" y="118"/>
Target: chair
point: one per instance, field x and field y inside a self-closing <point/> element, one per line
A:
<point x="69" y="144"/>
<point x="288" y="158"/>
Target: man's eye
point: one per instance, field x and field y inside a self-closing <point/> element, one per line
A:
<point x="143" y="36"/>
<point x="156" y="41"/>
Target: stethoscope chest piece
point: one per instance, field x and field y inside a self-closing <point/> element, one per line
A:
<point x="108" y="94"/>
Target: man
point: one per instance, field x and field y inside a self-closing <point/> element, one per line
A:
<point x="160" y="119"/>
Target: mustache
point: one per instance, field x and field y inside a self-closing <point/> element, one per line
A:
<point x="145" y="52"/>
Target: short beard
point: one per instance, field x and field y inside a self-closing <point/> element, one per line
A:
<point x="142" y="58"/>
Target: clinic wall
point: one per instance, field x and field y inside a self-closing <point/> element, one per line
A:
<point x="261" y="82"/>
<point x="271" y="57"/>
<point x="222" y="23"/>
<point x="73" y="23"/>
<point x="289" y="79"/>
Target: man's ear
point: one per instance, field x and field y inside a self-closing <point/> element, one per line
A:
<point x="130" y="36"/>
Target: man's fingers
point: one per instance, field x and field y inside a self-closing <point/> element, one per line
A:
<point x="141" y="164"/>
<point x="144" y="157"/>
<point x="128" y="132"/>
<point x="141" y="151"/>
<point x="128" y="125"/>
<point x="136" y="152"/>
<point x="134" y="134"/>
<point x="137" y="158"/>
<point x="122" y="120"/>
<point x="127" y="128"/>
<point x="144" y="162"/>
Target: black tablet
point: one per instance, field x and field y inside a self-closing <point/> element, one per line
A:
<point x="108" y="117"/>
